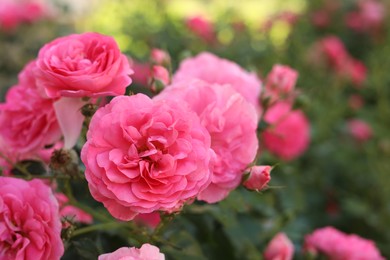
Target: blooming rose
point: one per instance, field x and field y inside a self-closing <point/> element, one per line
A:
<point x="359" y="130"/>
<point x="338" y="245"/>
<point x="30" y="226"/>
<point x="280" y="248"/>
<point x="28" y="121"/>
<point x="259" y="176"/>
<point x="78" y="65"/>
<point x="143" y="155"/>
<point x="146" y="252"/>
<point x="212" y="69"/>
<point x="288" y="136"/>
<point x="231" y="122"/>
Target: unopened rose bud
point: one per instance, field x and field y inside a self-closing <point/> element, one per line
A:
<point x="160" y="57"/>
<point x="160" y="77"/>
<point x="259" y="176"/>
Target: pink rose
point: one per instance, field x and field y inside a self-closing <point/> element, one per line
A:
<point x="146" y="252"/>
<point x="143" y="155"/>
<point x="28" y="121"/>
<point x="29" y="221"/>
<point x="231" y="122"/>
<point x="78" y="65"/>
<point x="203" y="28"/>
<point x="71" y="212"/>
<point x="335" y="52"/>
<point x="359" y="129"/>
<point x="338" y="245"/>
<point x="281" y="82"/>
<point x="280" y="248"/>
<point x="289" y="134"/>
<point x="212" y="69"/>
<point x="259" y="176"/>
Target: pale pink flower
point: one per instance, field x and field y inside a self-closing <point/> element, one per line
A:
<point x="231" y="122"/>
<point x="201" y="27"/>
<point x="146" y="252"/>
<point x="359" y="129"/>
<point x="143" y="155"/>
<point x="338" y="245"/>
<point x="28" y="121"/>
<point x="82" y="65"/>
<point x="259" y="177"/>
<point x="29" y="221"/>
<point x="212" y="69"/>
<point x="281" y="82"/>
<point x="280" y="248"/>
<point x="72" y="212"/>
<point x="289" y="133"/>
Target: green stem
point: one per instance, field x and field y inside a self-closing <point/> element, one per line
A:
<point x="104" y="226"/>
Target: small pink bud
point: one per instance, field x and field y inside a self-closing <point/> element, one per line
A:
<point x="280" y="248"/>
<point x="258" y="178"/>
<point x="160" y="73"/>
<point x="160" y="57"/>
<point x="359" y="129"/>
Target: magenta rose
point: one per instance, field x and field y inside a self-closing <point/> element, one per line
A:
<point x="289" y="134"/>
<point x="212" y="69"/>
<point x="231" y="122"/>
<point x="337" y="245"/>
<point x="280" y="248"/>
<point x="30" y="226"/>
<point x="28" y="121"/>
<point x="146" y="252"/>
<point x="143" y="155"/>
<point x="79" y="65"/>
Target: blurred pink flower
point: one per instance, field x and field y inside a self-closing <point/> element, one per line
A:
<point x="150" y="219"/>
<point x="201" y="27"/>
<point x="337" y="245"/>
<point x="281" y="82"/>
<point x="146" y="252"/>
<point x="258" y="179"/>
<point x="160" y="57"/>
<point x="280" y="248"/>
<point x="321" y="18"/>
<point x="28" y="121"/>
<point x="142" y="72"/>
<point x="13" y="13"/>
<point x="72" y="212"/>
<point x="335" y="52"/>
<point x="212" y="69"/>
<point x="144" y="155"/>
<point x="359" y="129"/>
<point x="368" y="17"/>
<point x="231" y="122"/>
<point x="82" y="65"/>
<point x="289" y="133"/>
<point x="29" y="221"/>
<point x="357" y="71"/>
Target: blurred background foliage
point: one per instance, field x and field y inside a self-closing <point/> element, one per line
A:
<point x="338" y="181"/>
